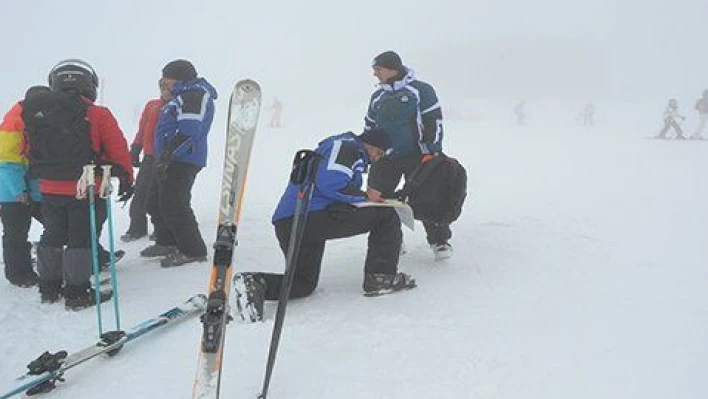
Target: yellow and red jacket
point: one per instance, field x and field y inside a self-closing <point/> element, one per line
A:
<point x="12" y="136"/>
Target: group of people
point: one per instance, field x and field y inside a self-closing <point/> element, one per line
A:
<point x="672" y="116"/>
<point x="48" y="137"/>
<point x="402" y="129"/>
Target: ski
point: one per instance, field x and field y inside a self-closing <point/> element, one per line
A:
<point x="49" y="368"/>
<point x="244" y="108"/>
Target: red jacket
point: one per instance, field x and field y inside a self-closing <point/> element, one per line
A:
<point x="148" y="122"/>
<point x="108" y="142"/>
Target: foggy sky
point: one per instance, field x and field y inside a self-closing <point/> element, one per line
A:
<point x="318" y="51"/>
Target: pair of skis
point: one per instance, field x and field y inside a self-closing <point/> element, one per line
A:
<point x="49" y="368"/>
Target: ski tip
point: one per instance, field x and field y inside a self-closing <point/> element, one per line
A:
<point x="248" y="84"/>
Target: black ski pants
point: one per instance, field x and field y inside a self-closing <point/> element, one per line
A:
<point x="138" y="205"/>
<point x="16" y="250"/>
<point x="67" y="221"/>
<point x="384" y="244"/>
<point x="385" y="175"/>
<point x="170" y="209"/>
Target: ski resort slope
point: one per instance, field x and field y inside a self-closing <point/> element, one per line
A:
<point x="579" y="272"/>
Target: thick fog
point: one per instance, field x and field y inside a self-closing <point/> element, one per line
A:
<point x="315" y="52"/>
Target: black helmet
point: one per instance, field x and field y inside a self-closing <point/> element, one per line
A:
<point x="74" y="74"/>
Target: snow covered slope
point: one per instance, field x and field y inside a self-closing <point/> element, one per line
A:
<point x="579" y="272"/>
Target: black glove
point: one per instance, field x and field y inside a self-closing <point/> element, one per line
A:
<point x="340" y="211"/>
<point x="135" y="151"/>
<point x="125" y="191"/>
<point x="159" y="170"/>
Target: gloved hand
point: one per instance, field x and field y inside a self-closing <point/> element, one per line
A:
<point x="125" y="191"/>
<point x="160" y="168"/>
<point x="340" y="211"/>
<point x="135" y="151"/>
<point x="428" y="157"/>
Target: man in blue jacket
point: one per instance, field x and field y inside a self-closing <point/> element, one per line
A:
<point x="343" y="159"/>
<point x="408" y="110"/>
<point x="180" y="148"/>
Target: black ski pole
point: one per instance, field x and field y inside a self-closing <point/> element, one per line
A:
<point x="303" y="176"/>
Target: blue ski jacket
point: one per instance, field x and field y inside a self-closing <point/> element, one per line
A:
<point x="189" y="114"/>
<point x="408" y="111"/>
<point x="342" y="161"/>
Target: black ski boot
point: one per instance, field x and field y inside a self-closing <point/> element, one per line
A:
<point x="178" y="258"/>
<point x="104" y="258"/>
<point x="157" y="250"/>
<point x="131" y="236"/>
<point x="250" y="296"/>
<point x="25" y="280"/>
<point x="50" y="290"/>
<point x="376" y="284"/>
<point x="82" y="296"/>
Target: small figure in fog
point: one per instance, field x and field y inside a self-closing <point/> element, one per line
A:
<point x="670" y="121"/>
<point x="520" y="112"/>
<point x="589" y="115"/>
<point x="702" y="108"/>
<point x="277" y="108"/>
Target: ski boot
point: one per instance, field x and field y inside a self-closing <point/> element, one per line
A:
<point x="178" y="258"/>
<point x="250" y="296"/>
<point x="376" y="284"/>
<point x="441" y="251"/>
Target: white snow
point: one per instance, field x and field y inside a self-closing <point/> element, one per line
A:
<point x="579" y="271"/>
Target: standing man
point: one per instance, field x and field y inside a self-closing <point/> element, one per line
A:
<point x="408" y="111"/>
<point x="342" y="159"/>
<point x="143" y="142"/>
<point x="65" y="131"/>
<point x="180" y="150"/>
<point x="702" y="108"/>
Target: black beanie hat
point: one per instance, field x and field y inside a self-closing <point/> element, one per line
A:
<point x="377" y="138"/>
<point x="389" y="60"/>
<point x="179" y="70"/>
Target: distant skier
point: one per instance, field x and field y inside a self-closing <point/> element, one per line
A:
<point x="277" y="108"/>
<point x="670" y="116"/>
<point x="520" y="112"/>
<point x="589" y="115"/>
<point x="702" y="108"/>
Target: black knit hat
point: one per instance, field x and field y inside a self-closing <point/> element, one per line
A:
<point x="377" y="138"/>
<point x="389" y="60"/>
<point x="179" y="70"/>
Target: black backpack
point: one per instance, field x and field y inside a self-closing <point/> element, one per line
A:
<point x="436" y="190"/>
<point x="58" y="135"/>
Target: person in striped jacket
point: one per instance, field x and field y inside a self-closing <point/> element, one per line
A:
<point x="19" y="197"/>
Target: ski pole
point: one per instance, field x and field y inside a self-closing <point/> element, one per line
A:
<point x="105" y="192"/>
<point x="87" y="182"/>
<point x="302" y="175"/>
